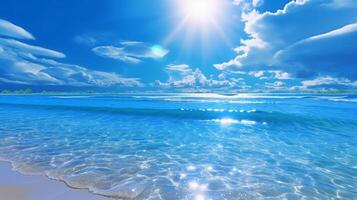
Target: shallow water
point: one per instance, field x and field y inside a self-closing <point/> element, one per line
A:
<point x="187" y="146"/>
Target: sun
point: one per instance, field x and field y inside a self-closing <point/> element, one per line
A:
<point x="199" y="21"/>
<point x="200" y="11"/>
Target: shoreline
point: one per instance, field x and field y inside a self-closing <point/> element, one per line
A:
<point x="17" y="186"/>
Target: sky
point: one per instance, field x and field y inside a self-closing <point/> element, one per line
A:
<point x="179" y="45"/>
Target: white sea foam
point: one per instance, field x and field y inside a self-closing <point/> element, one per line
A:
<point x="344" y="100"/>
<point x="337" y="98"/>
<point x="212" y="97"/>
<point x="228" y="121"/>
<point x="248" y="122"/>
<point x="221" y="110"/>
<point x="213" y="101"/>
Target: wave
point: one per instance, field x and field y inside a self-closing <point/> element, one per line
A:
<point x="227" y="121"/>
<point x="229" y="101"/>
<point x="348" y="98"/>
<point x="215" y="98"/>
<point x="343" y="100"/>
<point x="202" y="113"/>
<point x="70" y="97"/>
<point x="187" y="96"/>
<point x="263" y="117"/>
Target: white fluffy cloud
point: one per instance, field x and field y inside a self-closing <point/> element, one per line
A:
<point x="298" y="40"/>
<point x="327" y="82"/>
<point x="11" y="30"/>
<point x="270" y="74"/>
<point x="183" y="76"/>
<point x="131" y="51"/>
<point x="21" y="63"/>
<point x="247" y="4"/>
<point x="275" y="86"/>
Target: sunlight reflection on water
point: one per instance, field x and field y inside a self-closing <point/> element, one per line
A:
<point x="149" y="148"/>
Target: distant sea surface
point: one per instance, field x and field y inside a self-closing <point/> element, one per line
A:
<point x="187" y="146"/>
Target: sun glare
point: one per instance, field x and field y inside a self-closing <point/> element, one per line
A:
<point x="199" y="11"/>
<point x="200" y="20"/>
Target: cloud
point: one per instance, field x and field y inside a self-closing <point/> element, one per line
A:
<point x="257" y="74"/>
<point x="327" y="83"/>
<point x="182" y="76"/>
<point x="183" y="68"/>
<point x="280" y="75"/>
<point x="247" y="4"/>
<point x="270" y="74"/>
<point x="297" y="40"/>
<point x="33" y="70"/>
<point x="263" y="80"/>
<point x="343" y="3"/>
<point x="80" y="76"/>
<point x="331" y="53"/>
<point x="276" y="86"/>
<point x="33" y="50"/>
<point x="21" y="63"/>
<point x="338" y="32"/>
<point x="131" y="51"/>
<point x="86" y="39"/>
<point x="115" y="53"/>
<point x="11" y="30"/>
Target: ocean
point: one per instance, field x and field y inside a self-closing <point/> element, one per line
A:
<point x="187" y="146"/>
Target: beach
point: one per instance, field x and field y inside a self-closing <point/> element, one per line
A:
<point x="16" y="186"/>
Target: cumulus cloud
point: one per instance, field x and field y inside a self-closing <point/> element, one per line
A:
<point x="327" y="83"/>
<point x="277" y="86"/>
<point x="297" y="40"/>
<point x="247" y="4"/>
<point x="21" y="63"/>
<point x="131" y="51"/>
<point x="183" y="76"/>
<point x="331" y="53"/>
<point x="270" y="74"/>
<point x="11" y="30"/>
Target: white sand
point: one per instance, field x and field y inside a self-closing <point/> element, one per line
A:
<point x="16" y="186"/>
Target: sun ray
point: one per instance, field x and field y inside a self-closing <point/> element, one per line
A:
<point x="175" y="32"/>
<point x="199" y="19"/>
<point x="222" y="34"/>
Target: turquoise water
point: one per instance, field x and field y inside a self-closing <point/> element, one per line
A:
<point x="187" y="146"/>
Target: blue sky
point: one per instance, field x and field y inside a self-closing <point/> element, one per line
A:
<point x="179" y="45"/>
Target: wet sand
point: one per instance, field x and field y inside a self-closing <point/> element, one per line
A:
<point x="16" y="186"/>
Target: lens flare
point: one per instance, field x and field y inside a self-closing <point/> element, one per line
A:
<point x="158" y="52"/>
